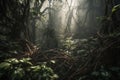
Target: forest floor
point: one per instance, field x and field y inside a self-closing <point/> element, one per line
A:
<point x="77" y="59"/>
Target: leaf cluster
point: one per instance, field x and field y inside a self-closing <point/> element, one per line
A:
<point x="23" y="69"/>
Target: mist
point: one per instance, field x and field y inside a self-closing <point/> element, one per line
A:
<point x="67" y="18"/>
<point x="59" y="39"/>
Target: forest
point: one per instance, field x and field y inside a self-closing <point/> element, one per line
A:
<point x="59" y="39"/>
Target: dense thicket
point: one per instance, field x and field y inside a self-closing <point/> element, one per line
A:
<point x="14" y="18"/>
<point x="22" y="57"/>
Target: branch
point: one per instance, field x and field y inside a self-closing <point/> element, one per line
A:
<point x="46" y="10"/>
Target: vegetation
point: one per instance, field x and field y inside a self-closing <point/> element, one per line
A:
<point x="38" y="42"/>
<point x="14" y="69"/>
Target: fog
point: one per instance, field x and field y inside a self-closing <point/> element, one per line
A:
<point x="67" y="18"/>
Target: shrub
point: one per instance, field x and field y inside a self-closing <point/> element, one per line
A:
<point x="23" y="69"/>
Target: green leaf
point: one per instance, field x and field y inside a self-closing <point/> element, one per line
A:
<point x="18" y="74"/>
<point x="4" y="65"/>
<point x="95" y="73"/>
<point x="105" y="74"/>
<point x="26" y="59"/>
<point x="12" y="60"/>
<point x="115" y="8"/>
<point x="35" y="68"/>
<point x="55" y="76"/>
<point x="52" y="61"/>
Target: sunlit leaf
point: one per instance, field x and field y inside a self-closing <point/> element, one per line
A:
<point x="55" y="76"/>
<point x="52" y="61"/>
<point x="12" y="60"/>
<point x="115" y="8"/>
<point x="4" y="65"/>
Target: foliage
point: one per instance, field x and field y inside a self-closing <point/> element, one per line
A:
<point x="9" y="49"/>
<point x="103" y="74"/>
<point x="23" y="69"/>
<point x="70" y="59"/>
<point x="79" y="46"/>
<point x="115" y="8"/>
<point x="14" y="18"/>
